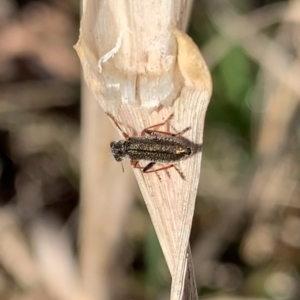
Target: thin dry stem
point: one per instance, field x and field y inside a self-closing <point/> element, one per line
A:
<point x="263" y="17"/>
<point x="106" y="197"/>
<point x="262" y="49"/>
<point x="14" y="252"/>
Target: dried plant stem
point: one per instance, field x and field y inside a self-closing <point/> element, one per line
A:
<point x="104" y="206"/>
<point x="142" y="70"/>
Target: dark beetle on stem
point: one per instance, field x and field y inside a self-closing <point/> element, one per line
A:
<point x="154" y="146"/>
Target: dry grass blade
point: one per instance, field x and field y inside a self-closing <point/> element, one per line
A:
<point x="141" y="73"/>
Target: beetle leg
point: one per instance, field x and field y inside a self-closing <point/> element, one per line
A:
<point x="153" y="132"/>
<point x="126" y="136"/>
<point x="150" y="165"/>
<point x="182" y="131"/>
<point x="146" y="130"/>
<point x="179" y="172"/>
<point x="135" y="164"/>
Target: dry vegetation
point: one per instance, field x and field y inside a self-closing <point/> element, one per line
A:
<point x="245" y="238"/>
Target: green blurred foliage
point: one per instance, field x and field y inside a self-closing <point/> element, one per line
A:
<point x="233" y="78"/>
<point x="156" y="268"/>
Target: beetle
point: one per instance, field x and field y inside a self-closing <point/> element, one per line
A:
<point x="154" y="146"/>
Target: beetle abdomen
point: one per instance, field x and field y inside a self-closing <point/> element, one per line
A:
<point x="157" y="148"/>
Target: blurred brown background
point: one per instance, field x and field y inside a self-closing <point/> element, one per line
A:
<point x="246" y="232"/>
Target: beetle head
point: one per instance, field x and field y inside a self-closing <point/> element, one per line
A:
<point x="118" y="150"/>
